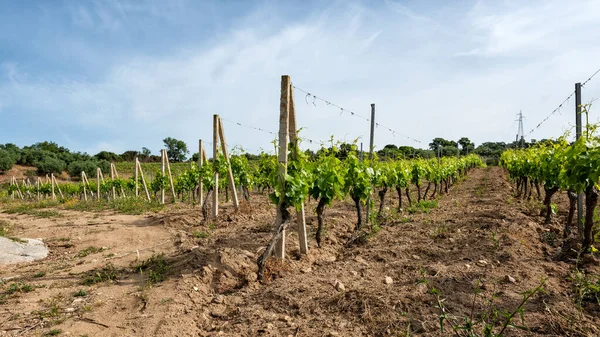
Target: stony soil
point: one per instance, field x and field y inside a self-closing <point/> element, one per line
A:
<point x="481" y="248"/>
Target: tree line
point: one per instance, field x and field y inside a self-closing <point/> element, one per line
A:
<point x="49" y="157"/>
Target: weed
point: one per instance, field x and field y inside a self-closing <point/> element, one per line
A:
<point x="29" y="207"/>
<point x="106" y="273"/>
<point x="441" y="231"/>
<point x="211" y="226"/>
<point x="89" y="250"/>
<point x="133" y="206"/>
<point x="155" y="267"/>
<point x="20" y="287"/>
<point x="88" y="308"/>
<point x="406" y="219"/>
<point x="201" y="234"/>
<point x="39" y="274"/>
<point x="423" y="206"/>
<point x="587" y="289"/>
<point x="495" y="240"/>
<point x="53" y="332"/>
<point x="80" y="293"/>
<point x="492" y="323"/>
<point x="5" y="228"/>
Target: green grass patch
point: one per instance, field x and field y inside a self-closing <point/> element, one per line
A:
<point x="80" y="293"/>
<point x="424" y="206"/>
<point x="53" y="332"/>
<point x="39" y="274"/>
<point x="89" y="250"/>
<point x="106" y="273"/>
<point x="201" y="234"/>
<point x="20" y="287"/>
<point x="133" y="206"/>
<point x="155" y="267"/>
<point x="24" y="207"/>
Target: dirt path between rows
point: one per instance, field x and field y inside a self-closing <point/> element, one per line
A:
<point x="478" y="237"/>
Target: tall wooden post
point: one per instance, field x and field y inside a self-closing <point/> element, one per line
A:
<point x="215" y="209"/>
<point x="284" y="114"/>
<point x="162" y="170"/>
<point x="577" y="136"/>
<point x="200" y="163"/>
<point x="98" y="173"/>
<point x="170" y="175"/>
<point x="293" y="134"/>
<point x="234" y="196"/>
<point x="137" y="185"/>
<point x="143" y="180"/>
<point x="83" y="183"/>
<point x="112" y="178"/>
<point x="52" y="182"/>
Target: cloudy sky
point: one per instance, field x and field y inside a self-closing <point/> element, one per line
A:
<point x="118" y="75"/>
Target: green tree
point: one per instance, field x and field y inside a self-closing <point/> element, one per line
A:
<point x="176" y="149"/>
<point x="6" y="161"/>
<point x="466" y="145"/>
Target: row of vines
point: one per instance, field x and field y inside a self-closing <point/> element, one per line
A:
<point x="332" y="175"/>
<point x="560" y="166"/>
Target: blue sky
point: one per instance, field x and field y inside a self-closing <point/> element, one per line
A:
<point x="120" y="75"/>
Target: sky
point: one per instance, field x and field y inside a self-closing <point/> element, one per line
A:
<point x="119" y="75"/>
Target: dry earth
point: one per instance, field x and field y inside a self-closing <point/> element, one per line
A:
<point x="480" y="239"/>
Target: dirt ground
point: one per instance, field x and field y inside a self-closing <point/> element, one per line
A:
<point x="480" y="240"/>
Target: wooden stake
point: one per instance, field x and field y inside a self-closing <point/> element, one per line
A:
<point x="58" y="187"/>
<point x="117" y="176"/>
<point x="37" y="187"/>
<point x="137" y="187"/>
<point x="98" y="173"/>
<point x="234" y="197"/>
<point x="112" y="178"/>
<point x="300" y="218"/>
<point x="170" y="176"/>
<point x="143" y="180"/>
<point x="284" y="114"/>
<point x="52" y="182"/>
<point x="215" y="209"/>
<point x="84" y="188"/>
<point x="162" y="170"/>
<point x="201" y="156"/>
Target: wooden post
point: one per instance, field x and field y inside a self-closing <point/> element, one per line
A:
<point x="293" y="132"/>
<point x="137" y="187"/>
<point x="170" y="176"/>
<point x="143" y="180"/>
<point x="52" y="182"/>
<point x="162" y="170"/>
<point x="58" y="187"/>
<point x="230" y="173"/>
<point x="112" y="178"/>
<point x="117" y="177"/>
<point x="37" y="186"/>
<point x="215" y="210"/>
<point x="83" y="183"/>
<point x="284" y="114"/>
<point x="98" y="182"/>
<point x="577" y="136"/>
<point x="200" y="163"/>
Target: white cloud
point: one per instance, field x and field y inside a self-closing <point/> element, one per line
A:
<point x="352" y="56"/>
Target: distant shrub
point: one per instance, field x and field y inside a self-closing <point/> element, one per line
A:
<point x="6" y="161"/>
<point x="88" y="166"/>
<point x="50" y="165"/>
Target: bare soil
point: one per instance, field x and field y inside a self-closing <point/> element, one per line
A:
<point x="479" y="237"/>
